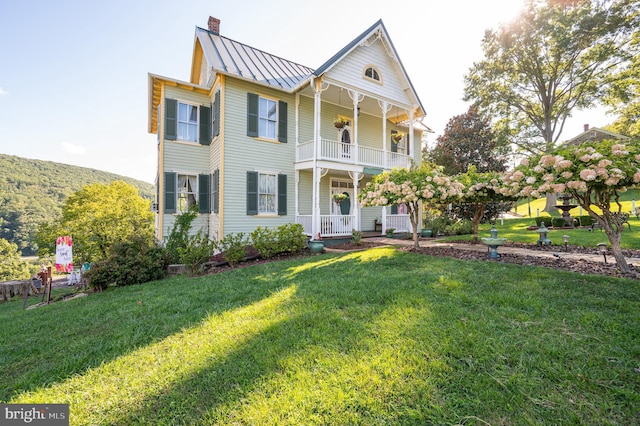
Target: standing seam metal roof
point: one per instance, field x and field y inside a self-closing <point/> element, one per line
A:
<point x="231" y="57"/>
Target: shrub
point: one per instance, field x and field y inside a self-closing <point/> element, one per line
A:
<point x="585" y="220"/>
<point x="461" y="227"/>
<point x="233" y="247"/>
<point x="198" y="250"/>
<point x="356" y="237"/>
<point x="129" y="262"/>
<point x="179" y="236"/>
<point x="558" y="222"/>
<point x="264" y="240"/>
<point x="291" y="238"/>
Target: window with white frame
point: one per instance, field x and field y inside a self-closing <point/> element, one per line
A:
<point x="372" y="73"/>
<point x="187" y="192"/>
<point x="267" y="118"/>
<point x="187" y="122"/>
<point x="267" y="193"/>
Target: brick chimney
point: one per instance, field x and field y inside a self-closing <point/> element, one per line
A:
<point x="214" y="25"/>
<point x="586" y="127"/>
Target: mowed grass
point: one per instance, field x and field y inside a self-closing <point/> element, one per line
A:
<point x="379" y="337"/>
<point x="515" y="230"/>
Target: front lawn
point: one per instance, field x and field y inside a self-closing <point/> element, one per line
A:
<point x="375" y="337"/>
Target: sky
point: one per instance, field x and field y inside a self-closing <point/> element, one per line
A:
<point x="74" y="74"/>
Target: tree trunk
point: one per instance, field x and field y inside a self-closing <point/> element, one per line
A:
<point x="614" y="238"/>
<point x="477" y="217"/>
<point x="414" y="213"/>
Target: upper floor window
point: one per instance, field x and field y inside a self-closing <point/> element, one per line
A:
<point x="372" y="73"/>
<point x="267" y="118"/>
<point x="187" y="122"/>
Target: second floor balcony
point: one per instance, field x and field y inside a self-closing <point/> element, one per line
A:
<point x="346" y="153"/>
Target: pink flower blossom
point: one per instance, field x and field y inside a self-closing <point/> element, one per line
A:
<point x="588" y="175"/>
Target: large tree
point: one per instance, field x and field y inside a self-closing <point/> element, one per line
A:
<point x="97" y="217"/>
<point x="557" y="56"/>
<point x="469" y="140"/>
<point x="11" y="265"/>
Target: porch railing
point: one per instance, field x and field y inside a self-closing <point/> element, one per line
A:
<point x="399" y="222"/>
<point x="345" y="153"/>
<point x="330" y="225"/>
<point x="342" y="225"/>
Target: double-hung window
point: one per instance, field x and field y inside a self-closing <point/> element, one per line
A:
<point x="187" y="192"/>
<point x="267" y="118"/>
<point x="267" y="193"/>
<point x="187" y="122"/>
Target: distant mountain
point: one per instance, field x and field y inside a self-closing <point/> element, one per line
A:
<point x="33" y="192"/>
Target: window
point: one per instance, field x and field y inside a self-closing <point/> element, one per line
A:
<point x="187" y="122"/>
<point x="267" y="194"/>
<point x="187" y="190"/>
<point x="267" y="118"/>
<point x="372" y="73"/>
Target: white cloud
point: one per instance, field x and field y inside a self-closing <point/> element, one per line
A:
<point x="70" y="148"/>
<point x="3" y="92"/>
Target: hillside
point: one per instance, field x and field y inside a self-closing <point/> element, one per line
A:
<point x="34" y="191"/>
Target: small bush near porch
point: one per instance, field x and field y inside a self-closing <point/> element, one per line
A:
<point x="374" y="337"/>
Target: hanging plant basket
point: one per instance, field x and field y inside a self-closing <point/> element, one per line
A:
<point x="397" y="137"/>
<point x="339" y="122"/>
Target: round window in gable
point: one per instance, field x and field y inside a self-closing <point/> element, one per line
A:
<point x="372" y="73"/>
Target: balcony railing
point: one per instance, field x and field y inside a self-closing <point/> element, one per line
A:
<point x="345" y="153"/>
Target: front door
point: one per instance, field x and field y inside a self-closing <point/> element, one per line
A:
<point x="345" y="141"/>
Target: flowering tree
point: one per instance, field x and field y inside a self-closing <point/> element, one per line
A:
<point x="594" y="173"/>
<point x="423" y="184"/>
<point x="481" y="189"/>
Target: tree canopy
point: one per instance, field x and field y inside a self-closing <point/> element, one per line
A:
<point x="97" y="217"/>
<point x="469" y="140"/>
<point x="557" y="56"/>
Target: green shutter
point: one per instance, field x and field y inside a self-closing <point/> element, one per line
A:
<point x="171" y="119"/>
<point x="394" y="145"/>
<point x="205" y="125"/>
<point x="203" y="194"/>
<point x="169" y="192"/>
<point x="282" y="121"/>
<point x="216" y="114"/>
<point x="252" y="115"/>
<point x="215" y="191"/>
<point x="252" y="193"/>
<point x="282" y="195"/>
<point x="394" y="209"/>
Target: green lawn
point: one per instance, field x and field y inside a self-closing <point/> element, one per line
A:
<point x="379" y="337"/>
<point x="515" y="230"/>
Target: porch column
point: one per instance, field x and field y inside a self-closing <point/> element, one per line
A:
<point x="411" y="138"/>
<point x="318" y="88"/>
<point x="356" y="98"/>
<point x="384" y="220"/>
<point x="356" y="205"/>
<point x="385" y="107"/>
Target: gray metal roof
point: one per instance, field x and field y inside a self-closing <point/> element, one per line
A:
<point x="231" y="57"/>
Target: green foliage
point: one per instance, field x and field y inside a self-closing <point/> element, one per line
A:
<point x="555" y="57"/>
<point x="469" y="140"/>
<point x="197" y="251"/>
<point x="11" y="265"/>
<point x="558" y="222"/>
<point x="291" y="238"/>
<point x="32" y="192"/>
<point x="99" y="216"/>
<point x="130" y="262"/>
<point x="585" y="220"/>
<point x="179" y="236"/>
<point x="264" y="240"/>
<point x="356" y="237"/>
<point x="233" y="247"/>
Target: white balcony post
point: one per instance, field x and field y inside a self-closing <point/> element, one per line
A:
<point x="385" y="107"/>
<point x="357" y="98"/>
<point x="318" y="88"/>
